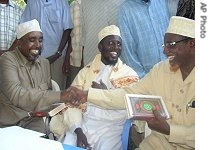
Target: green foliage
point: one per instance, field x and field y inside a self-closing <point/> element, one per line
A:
<point x="70" y="1"/>
<point x="21" y="3"/>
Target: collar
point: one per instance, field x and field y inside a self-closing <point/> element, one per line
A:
<point x="97" y="65"/>
<point x="11" y="3"/>
<point x="24" y="61"/>
<point x="190" y="78"/>
<point x="142" y="1"/>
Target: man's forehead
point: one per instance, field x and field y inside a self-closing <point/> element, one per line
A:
<point x="112" y="37"/>
<point x="34" y="34"/>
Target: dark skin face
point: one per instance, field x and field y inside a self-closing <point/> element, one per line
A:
<point x="110" y="48"/>
<point x="30" y="42"/>
<point x="181" y="54"/>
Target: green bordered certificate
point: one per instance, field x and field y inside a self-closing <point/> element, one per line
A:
<point x="141" y="106"/>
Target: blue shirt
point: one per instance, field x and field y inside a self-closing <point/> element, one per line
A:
<point x="54" y="17"/>
<point x="142" y="27"/>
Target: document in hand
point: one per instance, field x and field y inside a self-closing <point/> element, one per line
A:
<point x="141" y="106"/>
<point x="56" y="108"/>
<point x="51" y="110"/>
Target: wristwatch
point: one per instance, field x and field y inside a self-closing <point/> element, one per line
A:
<point x="59" y="53"/>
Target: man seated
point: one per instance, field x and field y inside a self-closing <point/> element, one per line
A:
<point x="101" y="127"/>
<point x="25" y="84"/>
<point x="174" y="80"/>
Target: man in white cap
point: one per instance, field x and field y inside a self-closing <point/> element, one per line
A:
<point x="25" y="84"/>
<point x="101" y="127"/>
<point x="174" y="80"/>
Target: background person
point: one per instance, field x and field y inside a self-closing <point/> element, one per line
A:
<point x="10" y="16"/>
<point x="95" y="15"/>
<point x="55" y="21"/>
<point x="143" y="24"/>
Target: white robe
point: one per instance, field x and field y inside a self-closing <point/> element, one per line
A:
<point x="103" y="127"/>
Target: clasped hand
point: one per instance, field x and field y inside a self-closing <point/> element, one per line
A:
<point x="74" y="96"/>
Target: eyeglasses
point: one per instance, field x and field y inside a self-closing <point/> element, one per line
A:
<point x="172" y="44"/>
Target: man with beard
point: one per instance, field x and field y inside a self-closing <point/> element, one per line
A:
<point x="25" y="84"/>
<point x="174" y="80"/>
<point x="101" y="127"/>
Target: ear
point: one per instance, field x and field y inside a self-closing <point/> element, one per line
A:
<point x="100" y="47"/>
<point x="192" y="46"/>
<point x="18" y="41"/>
<point x="192" y="43"/>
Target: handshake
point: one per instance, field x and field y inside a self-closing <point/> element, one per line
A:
<point x="74" y="96"/>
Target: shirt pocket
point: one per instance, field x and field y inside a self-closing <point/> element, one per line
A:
<point x="54" y="16"/>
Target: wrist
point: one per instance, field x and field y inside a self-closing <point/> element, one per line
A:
<point x="58" y="53"/>
<point x="78" y="131"/>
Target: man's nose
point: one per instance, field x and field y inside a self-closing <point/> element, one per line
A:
<point x="166" y="50"/>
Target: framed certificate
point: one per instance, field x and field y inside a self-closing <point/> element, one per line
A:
<point x="141" y="106"/>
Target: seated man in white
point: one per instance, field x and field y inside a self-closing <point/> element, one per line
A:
<point x="97" y="127"/>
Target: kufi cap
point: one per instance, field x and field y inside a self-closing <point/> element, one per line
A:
<point x="181" y="26"/>
<point x="26" y="27"/>
<point x="108" y="30"/>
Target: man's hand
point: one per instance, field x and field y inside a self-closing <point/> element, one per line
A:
<point x="136" y="136"/>
<point x="100" y="85"/>
<point x="159" y="123"/>
<point x="82" y="139"/>
<point x="74" y="96"/>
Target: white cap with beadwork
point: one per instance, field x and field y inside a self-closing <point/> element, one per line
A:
<point x="26" y="27"/>
<point x="108" y="30"/>
<point x="181" y="26"/>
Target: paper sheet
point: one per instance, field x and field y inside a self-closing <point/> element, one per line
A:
<point x="23" y="139"/>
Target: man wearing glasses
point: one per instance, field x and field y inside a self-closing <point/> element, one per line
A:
<point x="174" y="80"/>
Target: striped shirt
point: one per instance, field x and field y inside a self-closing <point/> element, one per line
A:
<point x="96" y="14"/>
<point x="142" y="27"/>
<point x="9" y="16"/>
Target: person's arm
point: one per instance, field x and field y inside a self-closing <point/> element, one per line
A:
<point x="21" y="94"/>
<point x="26" y="98"/>
<point x="181" y="134"/>
<point x="82" y="139"/>
<point x="66" y="63"/>
<point x="65" y="38"/>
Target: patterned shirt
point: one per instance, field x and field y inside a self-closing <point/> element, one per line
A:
<point x="9" y="16"/>
<point x="142" y="27"/>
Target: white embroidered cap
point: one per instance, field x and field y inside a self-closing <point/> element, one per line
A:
<point x="108" y="30"/>
<point x="181" y="26"/>
<point x="26" y="27"/>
